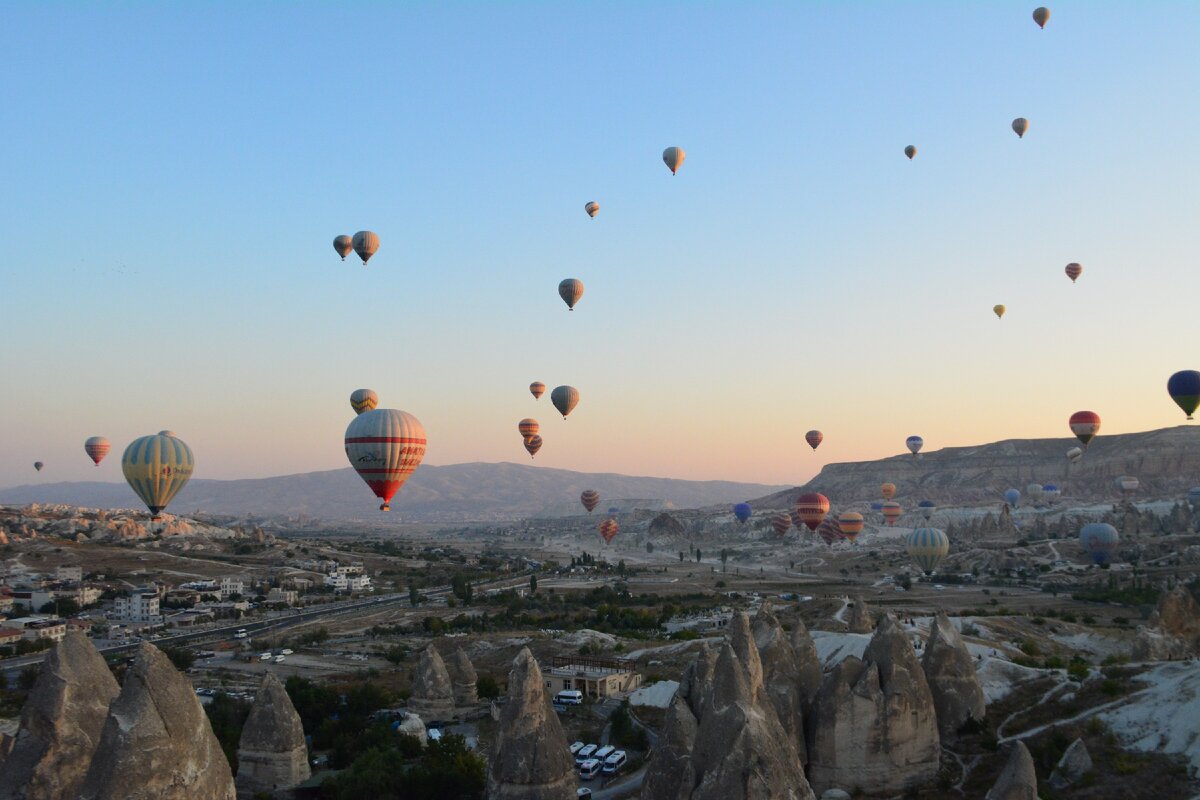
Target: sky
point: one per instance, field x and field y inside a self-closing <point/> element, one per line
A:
<point x="174" y="174"/>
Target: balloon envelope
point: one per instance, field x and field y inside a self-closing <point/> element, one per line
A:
<point x="1099" y="539"/>
<point x="363" y="400"/>
<point x="385" y="447"/>
<point x="532" y="445"/>
<point x="742" y="511"/>
<point x="1085" y="425"/>
<point x="812" y="508"/>
<point x="1012" y="497"/>
<point x="592" y="209"/>
<point x="608" y="530"/>
<point x="829" y="531"/>
<point x="850" y="524"/>
<point x="1034" y="492"/>
<point x="1020" y="125"/>
<point x="1184" y="388"/>
<point x="528" y="427"/>
<point x="1074" y="454"/>
<point x="156" y="468"/>
<point x="1073" y="271"/>
<point x="343" y="245"/>
<point x="570" y="290"/>
<point x="565" y="398"/>
<point x="888" y="491"/>
<point x="97" y="448"/>
<point x="911" y="152"/>
<point x="814" y="438"/>
<point x="999" y="310"/>
<point x="927" y="509"/>
<point x="892" y="511"/>
<point x="914" y="444"/>
<point x="366" y="243"/>
<point x="928" y="547"/>
<point x="673" y="157"/>
<point x="590" y="499"/>
<point x="1041" y="16"/>
<point x="782" y="523"/>
<point x="1127" y="484"/>
<point x="537" y="389"/>
<point x="38" y="465"/>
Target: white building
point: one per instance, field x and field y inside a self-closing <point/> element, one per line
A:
<point x="348" y="583"/>
<point x="231" y="585"/>
<point x="72" y="574"/>
<point x="39" y="626"/>
<point x="286" y="596"/>
<point x="140" y="606"/>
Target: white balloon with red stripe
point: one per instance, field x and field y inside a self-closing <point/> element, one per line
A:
<point x="385" y="447"/>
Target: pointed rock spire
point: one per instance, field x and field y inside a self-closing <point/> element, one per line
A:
<point x="272" y="754"/>
<point x="462" y="673"/>
<point x="1018" y="781"/>
<point x="432" y="691"/>
<point x="950" y="670"/>
<point x="860" y="616"/>
<point x="670" y="775"/>
<point x="811" y="673"/>
<point x="781" y="676"/>
<point x="60" y="723"/>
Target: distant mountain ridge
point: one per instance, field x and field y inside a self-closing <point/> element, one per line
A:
<point x="1165" y="461"/>
<point x="475" y="492"/>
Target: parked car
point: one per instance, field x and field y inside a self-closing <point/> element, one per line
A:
<point x="576" y="747"/>
<point x="585" y="753"/>
<point x="569" y="697"/>
<point x="604" y="752"/>
<point x="589" y="769"/>
<point x="614" y="762"/>
<point x="582" y="792"/>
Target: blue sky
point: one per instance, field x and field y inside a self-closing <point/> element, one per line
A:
<point x="175" y="174"/>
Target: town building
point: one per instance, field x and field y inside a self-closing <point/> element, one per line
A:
<point x="231" y="585"/>
<point x="140" y="606"/>
<point x="10" y="636"/>
<point x="70" y="574"/>
<point x="595" y="676"/>
<point x="285" y="596"/>
<point x="39" y="626"/>
<point x="342" y="582"/>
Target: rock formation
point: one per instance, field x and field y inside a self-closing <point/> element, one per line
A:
<point x="834" y="794"/>
<point x="741" y="639"/>
<point x="531" y="759"/>
<point x="432" y="692"/>
<point x="808" y="663"/>
<point x="272" y="754"/>
<point x="696" y="684"/>
<point x="156" y="743"/>
<point x="1173" y="630"/>
<point x="741" y="749"/>
<point x="873" y="724"/>
<point x="860" y="616"/>
<point x="60" y="724"/>
<point x="464" y="678"/>
<point x="670" y="775"/>
<point x="1018" y="781"/>
<point x="412" y="725"/>
<point x="1074" y="764"/>
<point x="665" y="525"/>
<point x="950" y="671"/>
<point x="781" y="676"/>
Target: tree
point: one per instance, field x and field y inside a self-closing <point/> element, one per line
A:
<point x="227" y="717"/>
<point x="396" y="654"/>
<point x="681" y="556"/>
<point x="649" y="546"/>
<point x="414" y="595"/>
<point x="487" y="687"/>
<point x="181" y="657"/>
<point x="63" y="607"/>
<point x="460" y="585"/>
<point x="697" y="555"/>
<point x="724" y="558"/>
<point x="533" y="584"/>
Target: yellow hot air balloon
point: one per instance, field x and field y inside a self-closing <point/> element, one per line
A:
<point x="343" y="245"/>
<point x="366" y="243"/>
<point x="888" y="490"/>
<point x="156" y="468"/>
<point x="363" y="400"/>
<point x="1019" y="126"/>
<point x="1041" y="16"/>
<point x="911" y="152"/>
<point x="592" y="209"/>
<point x="999" y="310"/>
<point x="673" y="157"/>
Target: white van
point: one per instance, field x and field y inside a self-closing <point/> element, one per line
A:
<point x="264" y="657"/>
<point x="585" y="753"/>
<point x="569" y="697"/>
<point x="589" y="769"/>
<point x="604" y="752"/>
<point x="279" y="659"/>
<point x="614" y="762"/>
<point x="576" y="747"/>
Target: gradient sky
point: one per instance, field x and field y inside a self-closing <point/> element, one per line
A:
<point x="173" y="176"/>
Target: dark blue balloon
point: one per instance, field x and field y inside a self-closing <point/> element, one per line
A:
<point x="742" y="511"/>
<point x="877" y="506"/>
<point x="1184" y="388"/>
<point x="926" y="504"/>
<point x="614" y="510"/>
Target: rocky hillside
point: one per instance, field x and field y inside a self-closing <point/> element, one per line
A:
<point x="1167" y="462"/>
<point x="455" y="493"/>
<point x="99" y="525"/>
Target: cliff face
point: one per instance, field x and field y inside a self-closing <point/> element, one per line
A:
<point x="1173" y="630"/>
<point x="272" y="754"/>
<point x="1163" y="460"/>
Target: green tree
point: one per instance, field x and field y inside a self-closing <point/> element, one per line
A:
<point x="414" y="595"/>
<point x="487" y="687"/>
<point x="396" y="654"/>
<point x="533" y="584"/>
<point x="681" y="556"/>
<point x="697" y="555"/>
<point x="724" y="558"/>
<point x="63" y="607"/>
<point x="181" y="657"/>
<point x="649" y="547"/>
<point x="227" y="717"/>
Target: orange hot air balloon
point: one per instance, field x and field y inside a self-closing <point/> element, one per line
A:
<point x="533" y="444"/>
<point x="851" y="524"/>
<point x="590" y="499"/>
<point x="888" y="490"/>
<point x="892" y="512"/>
<point x="608" y="530"/>
<point x="814" y="439"/>
<point x="782" y="523"/>
<point x="812" y="508"/>
<point x="537" y="389"/>
<point x="528" y="427"/>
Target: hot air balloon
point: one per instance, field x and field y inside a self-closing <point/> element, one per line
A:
<point x="999" y="310"/>
<point x="927" y="508"/>
<point x="592" y="208"/>
<point x="782" y="523"/>
<point x="1184" y="388"/>
<point x="537" y="389"/>
<point x="742" y="512"/>
<point x="1127" y="485"/>
<point x="590" y="499"/>
<point x="1041" y="16"/>
<point x="1012" y="497"/>
<point x="829" y="531"/>
<point x="1194" y="496"/>
<point x="156" y="468"/>
<point x="366" y="243"/>
<point x="812" y="508"/>
<point x="1085" y="425"/>
<point x="1034" y="492"/>
<point x="911" y="152"/>
<point x="608" y="530"/>
<point x="850" y="524"/>
<point x="928" y="547"/>
<point x="528" y="427"/>
<point x="613" y="511"/>
<point x="533" y="444"/>
<point x="565" y="398"/>
<point x="343" y="245"/>
<point x="97" y="448"/>
<point x="877" y="506"/>
<point x="814" y="438"/>
<point x="673" y="157"/>
<point x="1073" y="271"/>
<point x="914" y="444"/>
<point x="1019" y="126"/>
<point x="892" y="512"/>
<point x="385" y="447"/>
<point x="888" y="491"/>
<point x="38" y="465"/>
<point x="1099" y="539"/>
<point x="1051" y="492"/>
<point x="363" y="400"/>
<point x="570" y="290"/>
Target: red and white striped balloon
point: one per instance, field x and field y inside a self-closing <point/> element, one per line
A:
<point x="97" y="448"/>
